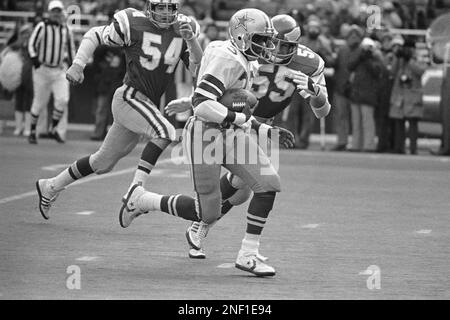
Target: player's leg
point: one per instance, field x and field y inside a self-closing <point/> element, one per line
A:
<point x="234" y="192"/>
<point x="61" y="93"/>
<point x="146" y="119"/>
<point x="206" y="205"/>
<point x="264" y="181"/>
<point x="41" y="96"/>
<point x="118" y="142"/>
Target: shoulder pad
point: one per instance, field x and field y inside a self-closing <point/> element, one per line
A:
<point x="307" y="61"/>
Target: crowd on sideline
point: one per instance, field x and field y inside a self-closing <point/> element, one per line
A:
<point x="373" y="76"/>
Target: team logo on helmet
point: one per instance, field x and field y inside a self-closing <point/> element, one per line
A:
<point x="242" y="21"/>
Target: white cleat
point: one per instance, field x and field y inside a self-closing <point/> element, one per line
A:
<point x="196" y="232"/>
<point x="130" y="210"/>
<point x="248" y="261"/>
<point x="196" y="254"/>
<point x="47" y="195"/>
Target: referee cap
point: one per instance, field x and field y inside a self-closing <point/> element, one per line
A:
<point x="55" y="4"/>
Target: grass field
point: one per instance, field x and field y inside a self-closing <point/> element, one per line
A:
<point x="338" y="214"/>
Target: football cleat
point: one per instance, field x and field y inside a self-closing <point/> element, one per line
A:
<point x="47" y="196"/>
<point x="32" y="138"/>
<point x="55" y="135"/>
<point x="196" y="254"/>
<point x="130" y="210"/>
<point x="196" y="232"/>
<point x="248" y="261"/>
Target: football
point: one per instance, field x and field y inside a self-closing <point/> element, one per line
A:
<point x="237" y="99"/>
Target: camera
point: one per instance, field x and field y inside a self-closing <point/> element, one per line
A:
<point x="405" y="81"/>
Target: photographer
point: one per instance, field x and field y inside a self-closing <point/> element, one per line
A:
<point x="406" y="99"/>
<point x="366" y="65"/>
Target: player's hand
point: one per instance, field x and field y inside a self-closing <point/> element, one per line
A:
<point x="286" y="138"/>
<point x="75" y="74"/>
<point x="178" y="106"/>
<point x="186" y="31"/>
<point x="304" y="83"/>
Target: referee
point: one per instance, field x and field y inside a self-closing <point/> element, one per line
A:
<point x="50" y="45"/>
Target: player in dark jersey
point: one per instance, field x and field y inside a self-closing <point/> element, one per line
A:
<point x="295" y="70"/>
<point x="154" y="41"/>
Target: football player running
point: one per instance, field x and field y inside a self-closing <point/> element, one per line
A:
<point x="225" y="65"/>
<point x="153" y="40"/>
<point x="294" y="68"/>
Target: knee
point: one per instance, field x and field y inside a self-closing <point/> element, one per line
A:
<point x="236" y="182"/>
<point x="270" y="183"/>
<point x="241" y="196"/>
<point x="162" y="143"/>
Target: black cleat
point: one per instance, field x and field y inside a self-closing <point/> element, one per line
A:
<point x="32" y="138"/>
<point x="55" y="135"/>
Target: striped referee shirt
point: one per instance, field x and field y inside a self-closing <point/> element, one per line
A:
<point x="51" y="43"/>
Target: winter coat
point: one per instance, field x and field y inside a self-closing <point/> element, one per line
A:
<point x="406" y="98"/>
<point x="367" y="69"/>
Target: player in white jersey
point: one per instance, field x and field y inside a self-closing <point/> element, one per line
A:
<point x="225" y="65"/>
<point x="154" y="41"/>
<point x="295" y="70"/>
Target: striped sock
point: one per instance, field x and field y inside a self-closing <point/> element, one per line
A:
<point x="34" y="120"/>
<point x="180" y="206"/>
<point x="149" y="156"/>
<point x="79" y="169"/>
<point x="258" y="211"/>
<point x="56" y="116"/>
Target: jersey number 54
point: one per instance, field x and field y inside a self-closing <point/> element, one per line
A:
<point x="150" y="47"/>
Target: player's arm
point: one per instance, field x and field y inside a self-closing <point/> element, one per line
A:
<point x="115" y="34"/>
<point x="217" y="73"/>
<point x="314" y="90"/>
<point x="190" y="31"/>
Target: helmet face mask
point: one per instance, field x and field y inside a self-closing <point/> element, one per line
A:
<point x="261" y="46"/>
<point x="163" y="13"/>
<point x="251" y="32"/>
<point x="284" y="51"/>
<point x="286" y="40"/>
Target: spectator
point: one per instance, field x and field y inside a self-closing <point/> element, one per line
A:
<point x="342" y="85"/>
<point x="23" y="94"/>
<point x="384" y="124"/>
<point x="316" y="42"/>
<point x="110" y="70"/>
<point x="366" y="65"/>
<point x="406" y="100"/>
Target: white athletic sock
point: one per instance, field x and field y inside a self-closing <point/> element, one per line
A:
<point x="150" y="201"/>
<point x="250" y="243"/>
<point x="61" y="181"/>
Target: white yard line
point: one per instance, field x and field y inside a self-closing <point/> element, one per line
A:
<point x="87" y="180"/>
<point x="84" y="213"/>
<point x="86" y="258"/>
<point x="424" y="231"/>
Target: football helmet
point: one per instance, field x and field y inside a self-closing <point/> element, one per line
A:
<point x="162" y="13"/>
<point x="251" y="32"/>
<point x="286" y="39"/>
